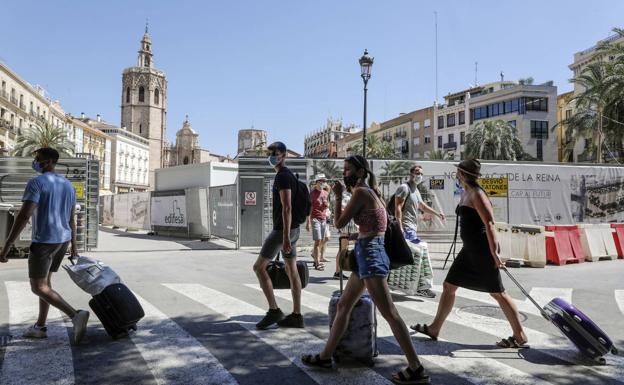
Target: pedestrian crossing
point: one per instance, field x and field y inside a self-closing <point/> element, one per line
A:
<point x="172" y="353"/>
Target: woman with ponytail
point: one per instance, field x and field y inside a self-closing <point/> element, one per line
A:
<point x="477" y="264"/>
<point x="367" y="209"/>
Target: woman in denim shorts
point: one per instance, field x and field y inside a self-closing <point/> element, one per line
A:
<point x="368" y="211"/>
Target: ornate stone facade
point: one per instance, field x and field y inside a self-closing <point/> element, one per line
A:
<point x="144" y="104"/>
<point x="186" y="149"/>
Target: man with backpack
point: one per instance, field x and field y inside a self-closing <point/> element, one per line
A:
<point x="290" y="209"/>
<point x="407" y="202"/>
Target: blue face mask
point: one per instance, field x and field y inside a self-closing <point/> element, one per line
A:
<point x="37" y="166"/>
<point x="273" y="160"/>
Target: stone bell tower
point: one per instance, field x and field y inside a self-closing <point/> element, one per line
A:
<point x="144" y="103"/>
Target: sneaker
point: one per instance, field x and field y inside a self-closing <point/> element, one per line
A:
<point x="271" y="317"/>
<point x="425" y="293"/>
<point x="80" y="325"/>
<point x="36" y="331"/>
<point x="337" y="276"/>
<point x="292" y="321"/>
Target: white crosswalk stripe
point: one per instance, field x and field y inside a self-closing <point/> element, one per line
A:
<point x="619" y="299"/>
<point x="41" y="357"/>
<point x="542" y="296"/>
<point x="554" y="345"/>
<point x="291" y="343"/>
<point x="481" y="371"/>
<point x="174" y="356"/>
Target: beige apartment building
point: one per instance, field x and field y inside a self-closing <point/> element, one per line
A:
<point x="323" y="143"/>
<point x="21" y="104"/>
<point x="530" y="108"/>
<point x="410" y="134"/>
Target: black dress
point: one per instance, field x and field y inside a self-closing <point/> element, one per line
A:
<point x="474" y="267"/>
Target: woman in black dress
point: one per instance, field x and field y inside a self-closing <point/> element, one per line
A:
<point x="477" y="264"/>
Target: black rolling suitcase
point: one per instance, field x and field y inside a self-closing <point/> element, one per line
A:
<point x="118" y="310"/>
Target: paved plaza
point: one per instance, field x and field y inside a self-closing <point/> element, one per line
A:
<point x="202" y="301"/>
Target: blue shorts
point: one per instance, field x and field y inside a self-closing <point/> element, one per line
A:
<point x="371" y="257"/>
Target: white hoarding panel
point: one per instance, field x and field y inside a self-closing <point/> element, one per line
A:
<point x="169" y="211"/>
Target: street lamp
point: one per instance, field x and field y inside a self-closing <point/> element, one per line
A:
<point x="366" y="64"/>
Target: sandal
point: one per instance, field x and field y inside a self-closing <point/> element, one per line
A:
<point x="319" y="266"/>
<point x="315" y="360"/>
<point x="423" y="329"/>
<point x="408" y="376"/>
<point x="511" y="342"/>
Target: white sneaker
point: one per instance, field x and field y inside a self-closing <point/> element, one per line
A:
<point x="80" y="325"/>
<point x="36" y="331"/>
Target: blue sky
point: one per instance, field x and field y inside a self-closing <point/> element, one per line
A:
<point x="285" y="66"/>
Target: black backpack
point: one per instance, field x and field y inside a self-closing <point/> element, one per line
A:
<point x="301" y="202"/>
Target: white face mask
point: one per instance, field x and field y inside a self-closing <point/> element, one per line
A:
<point x="418" y="179"/>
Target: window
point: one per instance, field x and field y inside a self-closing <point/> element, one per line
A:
<point x="156" y="96"/>
<point x="427" y="139"/>
<point x="539" y="129"/>
<point x="416" y="125"/>
<point x="536" y="104"/>
<point x="539" y="151"/>
<point x="451" y="138"/>
<point x="462" y="137"/>
<point x="140" y="128"/>
<point x="440" y="122"/>
<point x="416" y="141"/>
<point x="450" y="120"/>
<point x="141" y="94"/>
<point x="462" y="117"/>
<point x="568" y="114"/>
<point x="127" y="94"/>
<point x="440" y="141"/>
<point x="427" y="123"/>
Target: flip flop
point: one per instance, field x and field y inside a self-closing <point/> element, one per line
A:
<point x="511" y="343"/>
<point x="319" y="266"/>
<point x="423" y="329"/>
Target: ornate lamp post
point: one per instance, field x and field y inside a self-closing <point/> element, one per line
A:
<point x="366" y="64"/>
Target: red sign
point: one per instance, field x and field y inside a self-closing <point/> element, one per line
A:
<point x="250" y="198"/>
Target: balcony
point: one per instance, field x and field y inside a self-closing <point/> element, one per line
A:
<point x="4" y="94"/>
<point x="14" y="100"/>
<point x="401" y="134"/>
<point x="22" y="106"/>
<point x="450" y="146"/>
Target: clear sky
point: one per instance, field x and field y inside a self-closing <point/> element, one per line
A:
<point x="285" y="66"/>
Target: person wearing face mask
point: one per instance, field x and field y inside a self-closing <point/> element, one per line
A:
<point x="408" y="202"/>
<point x="477" y="264"/>
<point x="317" y="221"/>
<point x="283" y="237"/>
<point x="368" y="210"/>
<point x="50" y="200"/>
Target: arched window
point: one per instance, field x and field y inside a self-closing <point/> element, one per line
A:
<point x="141" y="94"/>
<point x="156" y="96"/>
<point x="127" y="94"/>
<point x="186" y="160"/>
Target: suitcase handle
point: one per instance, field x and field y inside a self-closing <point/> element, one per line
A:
<point x="542" y="311"/>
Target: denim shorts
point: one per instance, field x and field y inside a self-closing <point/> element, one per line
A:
<point x="371" y="257"/>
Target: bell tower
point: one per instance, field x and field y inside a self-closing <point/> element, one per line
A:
<point x="144" y="103"/>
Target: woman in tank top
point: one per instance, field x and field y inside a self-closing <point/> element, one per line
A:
<point x="368" y="210"/>
<point x="477" y="264"/>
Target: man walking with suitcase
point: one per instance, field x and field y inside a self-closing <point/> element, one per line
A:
<point x="50" y="199"/>
<point x="283" y="237"/>
<point x="407" y="203"/>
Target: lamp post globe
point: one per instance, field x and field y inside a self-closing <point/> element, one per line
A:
<point x="366" y="65"/>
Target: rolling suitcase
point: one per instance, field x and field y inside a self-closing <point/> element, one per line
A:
<point x="575" y="325"/>
<point x="118" y="310"/>
<point x="279" y="278"/>
<point x="359" y="341"/>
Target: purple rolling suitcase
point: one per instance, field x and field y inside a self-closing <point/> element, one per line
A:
<point x="575" y="325"/>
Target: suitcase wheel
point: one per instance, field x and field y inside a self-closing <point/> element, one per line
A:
<point x="615" y="351"/>
<point x="600" y="360"/>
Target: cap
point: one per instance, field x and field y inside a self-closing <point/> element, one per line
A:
<point x="470" y="167"/>
<point x="277" y="146"/>
<point x="320" y="177"/>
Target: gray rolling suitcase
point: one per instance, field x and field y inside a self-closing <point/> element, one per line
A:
<point x="360" y="339"/>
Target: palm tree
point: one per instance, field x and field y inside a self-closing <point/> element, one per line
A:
<point x="332" y="169"/>
<point x="394" y="172"/>
<point x="599" y="115"/>
<point x="494" y="140"/>
<point x="440" y="155"/>
<point x="43" y="134"/>
<point x="375" y="148"/>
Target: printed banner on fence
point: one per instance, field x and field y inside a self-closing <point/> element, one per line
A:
<point x="169" y="211"/>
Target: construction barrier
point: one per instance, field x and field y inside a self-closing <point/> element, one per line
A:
<point x="524" y="243"/>
<point x="618" y="238"/>
<point x="564" y="245"/>
<point x="597" y="241"/>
